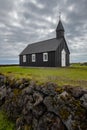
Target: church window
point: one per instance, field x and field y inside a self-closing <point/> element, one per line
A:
<point x="45" y="57"/>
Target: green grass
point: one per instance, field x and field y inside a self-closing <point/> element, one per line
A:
<point x="5" y="124"/>
<point x="74" y="75"/>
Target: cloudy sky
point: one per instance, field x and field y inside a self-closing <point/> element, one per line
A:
<point x="28" y="21"/>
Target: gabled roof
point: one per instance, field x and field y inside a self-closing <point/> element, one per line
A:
<point x="60" y="26"/>
<point x="43" y="46"/>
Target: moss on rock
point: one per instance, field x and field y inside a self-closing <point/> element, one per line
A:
<point x="64" y="113"/>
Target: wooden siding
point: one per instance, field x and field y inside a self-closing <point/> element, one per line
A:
<point x="39" y="60"/>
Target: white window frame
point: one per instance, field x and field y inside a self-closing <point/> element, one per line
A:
<point x="33" y="57"/>
<point x="24" y="58"/>
<point x="45" y="57"/>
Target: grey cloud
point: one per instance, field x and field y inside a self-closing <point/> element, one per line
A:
<point x="6" y="5"/>
<point x="23" y="22"/>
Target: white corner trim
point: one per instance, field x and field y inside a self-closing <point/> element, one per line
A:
<point x="63" y="58"/>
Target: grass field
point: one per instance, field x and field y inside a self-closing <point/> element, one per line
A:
<point x="73" y="75"/>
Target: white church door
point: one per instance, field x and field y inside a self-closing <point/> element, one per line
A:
<point x="63" y="58"/>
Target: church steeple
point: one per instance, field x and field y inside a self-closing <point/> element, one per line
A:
<point x="59" y="30"/>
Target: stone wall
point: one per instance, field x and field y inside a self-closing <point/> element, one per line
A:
<point x="43" y="107"/>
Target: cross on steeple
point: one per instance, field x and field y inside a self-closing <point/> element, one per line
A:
<point x="59" y="15"/>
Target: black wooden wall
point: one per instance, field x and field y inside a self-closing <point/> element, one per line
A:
<point x="39" y="60"/>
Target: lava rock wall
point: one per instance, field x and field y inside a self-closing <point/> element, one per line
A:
<point x="43" y="107"/>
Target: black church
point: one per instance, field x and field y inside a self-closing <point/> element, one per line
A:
<point x="49" y="53"/>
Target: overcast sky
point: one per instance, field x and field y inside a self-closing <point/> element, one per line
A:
<point x="28" y="21"/>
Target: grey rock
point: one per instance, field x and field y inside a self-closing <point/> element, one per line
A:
<point x="2" y="79"/>
<point x="21" y="86"/>
<point x="51" y="104"/>
<point x="49" y="89"/>
<point x="64" y="94"/>
<point x="28" y="118"/>
<point x="68" y="123"/>
<point x="27" y="98"/>
<point x="84" y="100"/>
<point x="50" y="122"/>
<point x="39" y="110"/>
<point x="19" y="123"/>
<point x="29" y="106"/>
<point x="76" y="92"/>
<point x="34" y="124"/>
<point x="2" y="93"/>
<point x="27" y="90"/>
<point x="38" y="98"/>
<point x="24" y="111"/>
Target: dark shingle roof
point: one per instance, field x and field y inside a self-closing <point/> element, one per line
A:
<point x="60" y="26"/>
<point x="43" y="46"/>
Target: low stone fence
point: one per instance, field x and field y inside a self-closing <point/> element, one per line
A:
<point x="43" y="107"/>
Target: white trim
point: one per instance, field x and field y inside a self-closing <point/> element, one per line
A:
<point x="45" y="57"/>
<point x="63" y="58"/>
<point x="33" y="58"/>
<point x="24" y="58"/>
